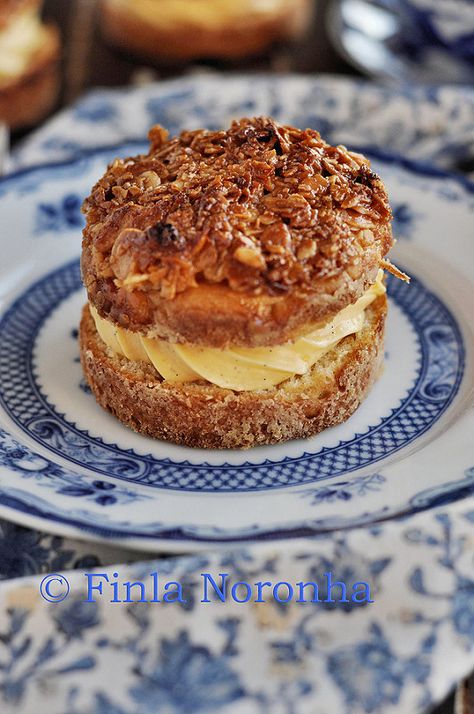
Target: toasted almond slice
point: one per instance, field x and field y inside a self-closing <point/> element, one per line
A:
<point x="391" y="268"/>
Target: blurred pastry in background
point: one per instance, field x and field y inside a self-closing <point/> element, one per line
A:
<point x="199" y="29"/>
<point x="29" y="63"/>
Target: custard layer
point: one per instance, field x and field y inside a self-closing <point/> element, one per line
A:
<point x="238" y="368"/>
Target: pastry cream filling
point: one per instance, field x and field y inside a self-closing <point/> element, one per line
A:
<point x="19" y="41"/>
<point x="210" y="13"/>
<point x="239" y="368"/>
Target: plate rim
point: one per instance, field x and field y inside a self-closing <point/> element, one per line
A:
<point x="187" y="543"/>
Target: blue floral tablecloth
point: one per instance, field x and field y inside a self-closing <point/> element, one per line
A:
<point x="401" y="653"/>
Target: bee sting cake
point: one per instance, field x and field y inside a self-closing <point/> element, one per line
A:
<point x="235" y="285"/>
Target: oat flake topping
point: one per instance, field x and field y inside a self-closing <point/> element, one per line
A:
<point x="264" y="208"/>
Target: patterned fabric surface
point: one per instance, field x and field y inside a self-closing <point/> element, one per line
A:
<point x="400" y="653"/>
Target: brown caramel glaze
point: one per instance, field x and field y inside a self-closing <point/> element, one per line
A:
<point x="243" y="236"/>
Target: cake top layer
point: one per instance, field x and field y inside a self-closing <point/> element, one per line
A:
<point x="262" y="208"/>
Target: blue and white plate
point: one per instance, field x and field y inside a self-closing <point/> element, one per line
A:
<point x="68" y="466"/>
<point x="428" y="41"/>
